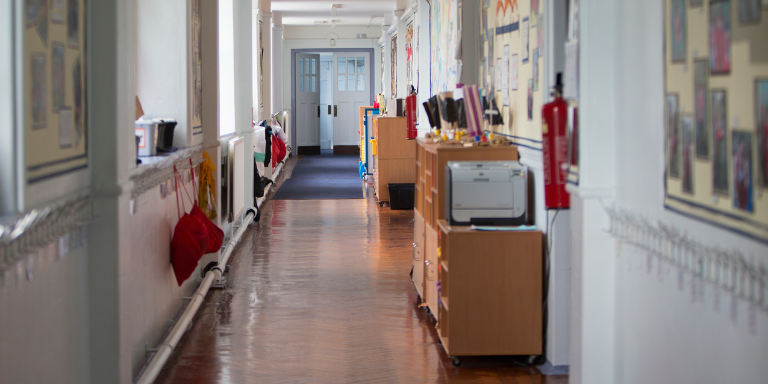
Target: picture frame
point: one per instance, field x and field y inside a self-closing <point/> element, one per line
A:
<point x="701" y="106"/>
<point x="678" y="28"/>
<point x="719" y="115"/>
<point x="688" y="152"/>
<point x="673" y="135"/>
<point x="750" y="11"/>
<point x="741" y="163"/>
<point x="761" y="123"/>
<point x="720" y="37"/>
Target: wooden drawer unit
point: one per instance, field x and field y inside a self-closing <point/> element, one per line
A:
<point x="395" y="159"/>
<point x="491" y="291"/>
<point x="430" y="269"/>
<point x="418" y="254"/>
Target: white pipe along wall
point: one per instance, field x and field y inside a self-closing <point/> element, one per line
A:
<point x="167" y="346"/>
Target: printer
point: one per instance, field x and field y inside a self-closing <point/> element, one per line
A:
<point x="486" y="193"/>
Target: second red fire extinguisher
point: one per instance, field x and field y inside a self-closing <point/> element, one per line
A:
<point x="555" y="149"/>
<point x="411" y="114"/>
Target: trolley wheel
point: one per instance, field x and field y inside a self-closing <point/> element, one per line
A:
<point x="456" y="361"/>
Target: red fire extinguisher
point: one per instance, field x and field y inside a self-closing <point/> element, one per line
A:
<point x="411" y="115"/>
<point x="555" y="147"/>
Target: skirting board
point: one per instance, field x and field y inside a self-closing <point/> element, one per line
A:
<point x="346" y="150"/>
<point x="309" y="150"/>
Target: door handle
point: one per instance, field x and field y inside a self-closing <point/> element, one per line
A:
<point x="335" y="110"/>
<point x="318" y="111"/>
<point x="329" y="109"/>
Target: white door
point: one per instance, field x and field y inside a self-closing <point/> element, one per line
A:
<point x="326" y="105"/>
<point x="351" y="90"/>
<point x="307" y="100"/>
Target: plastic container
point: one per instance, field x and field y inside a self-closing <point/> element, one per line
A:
<point x="373" y="147"/>
<point x="401" y="196"/>
<point x="146" y="131"/>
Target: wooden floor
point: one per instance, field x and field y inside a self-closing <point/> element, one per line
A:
<point x="319" y="292"/>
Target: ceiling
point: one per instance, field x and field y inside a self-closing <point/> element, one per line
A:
<point x="349" y="13"/>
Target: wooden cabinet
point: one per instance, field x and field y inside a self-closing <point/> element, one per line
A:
<point x="490" y="291"/>
<point x="429" y="202"/>
<point x="395" y="158"/>
<point x="418" y="254"/>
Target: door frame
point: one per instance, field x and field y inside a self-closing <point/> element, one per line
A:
<point x="293" y="80"/>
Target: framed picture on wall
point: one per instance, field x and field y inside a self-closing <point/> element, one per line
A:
<point x="719" y="142"/>
<point x="688" y="153"/>
<point x="741" y="153"/>
<point x="673" y="135"/>
<point x="750" y="11"/>
<point x="761" y="121"/>
<point x="678" y="28"/>
<point x="701" y="100"/>
<point x="720" y="37"/>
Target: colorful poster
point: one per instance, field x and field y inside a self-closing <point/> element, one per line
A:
<point x="534" y="12"/>
<point x="526" y="42"/>
<point x="445" y="43"/>
<point x="408" y="58"/>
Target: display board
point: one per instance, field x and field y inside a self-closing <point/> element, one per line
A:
<point x="54" y="100"/>
<point x="444" y="39"/>
<point x="196" y="70"/>
<point x="512" y="35"/>
<point x="716" y="113"/>
<point x="408" y="58"/>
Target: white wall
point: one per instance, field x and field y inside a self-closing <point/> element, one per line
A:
<point x="44" y="323"/>
<point x="162" y="64"/>
<point x="651" y="330"/>
<point x="297" y="32"/>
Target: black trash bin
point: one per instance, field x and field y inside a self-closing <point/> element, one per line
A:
<point x="401" y="196"/>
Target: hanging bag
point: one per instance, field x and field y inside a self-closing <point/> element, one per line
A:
<point x="187" y="241"/>
<point x="214" y="234"/>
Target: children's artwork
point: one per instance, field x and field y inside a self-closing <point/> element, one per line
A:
<point x="719" y="141"/>
<point x="761" y="120"/>
<point x="57" y="76"/>
<point x="498" y="73"/>
<point x="534" y="12"/>
<point x="540" y="36"/>
<point x="678" y="28"/>
<point x="535" y="69"/>
<point x="39" y="92"/>
<point x="444" y="45"/>
<point x="750" y="11"/>
<point x="741" y="152"/>
<point x="525" y="35"/>
<point x="688" y="153"/>
<point x="720" y="37"/>
<point x="73" y="23"/>
<point x="515" y="67"/>
<point x="59" y="11"/>
<point x="701" y="79"/>
<point x="530" y="99"/>
<point x="77" y="80"/>
<point x="505" y="75"/>
<point x="197" y="70"/>
<point x="393" y="67"/>
<point x="673" y="142"/>
<point x="408" y="57"/>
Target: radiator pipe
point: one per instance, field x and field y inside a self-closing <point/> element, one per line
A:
<point x="166" y="347"/>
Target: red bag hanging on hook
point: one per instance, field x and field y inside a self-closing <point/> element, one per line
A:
<point x="215" y="236"/>
<point x="188" y="237"/>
